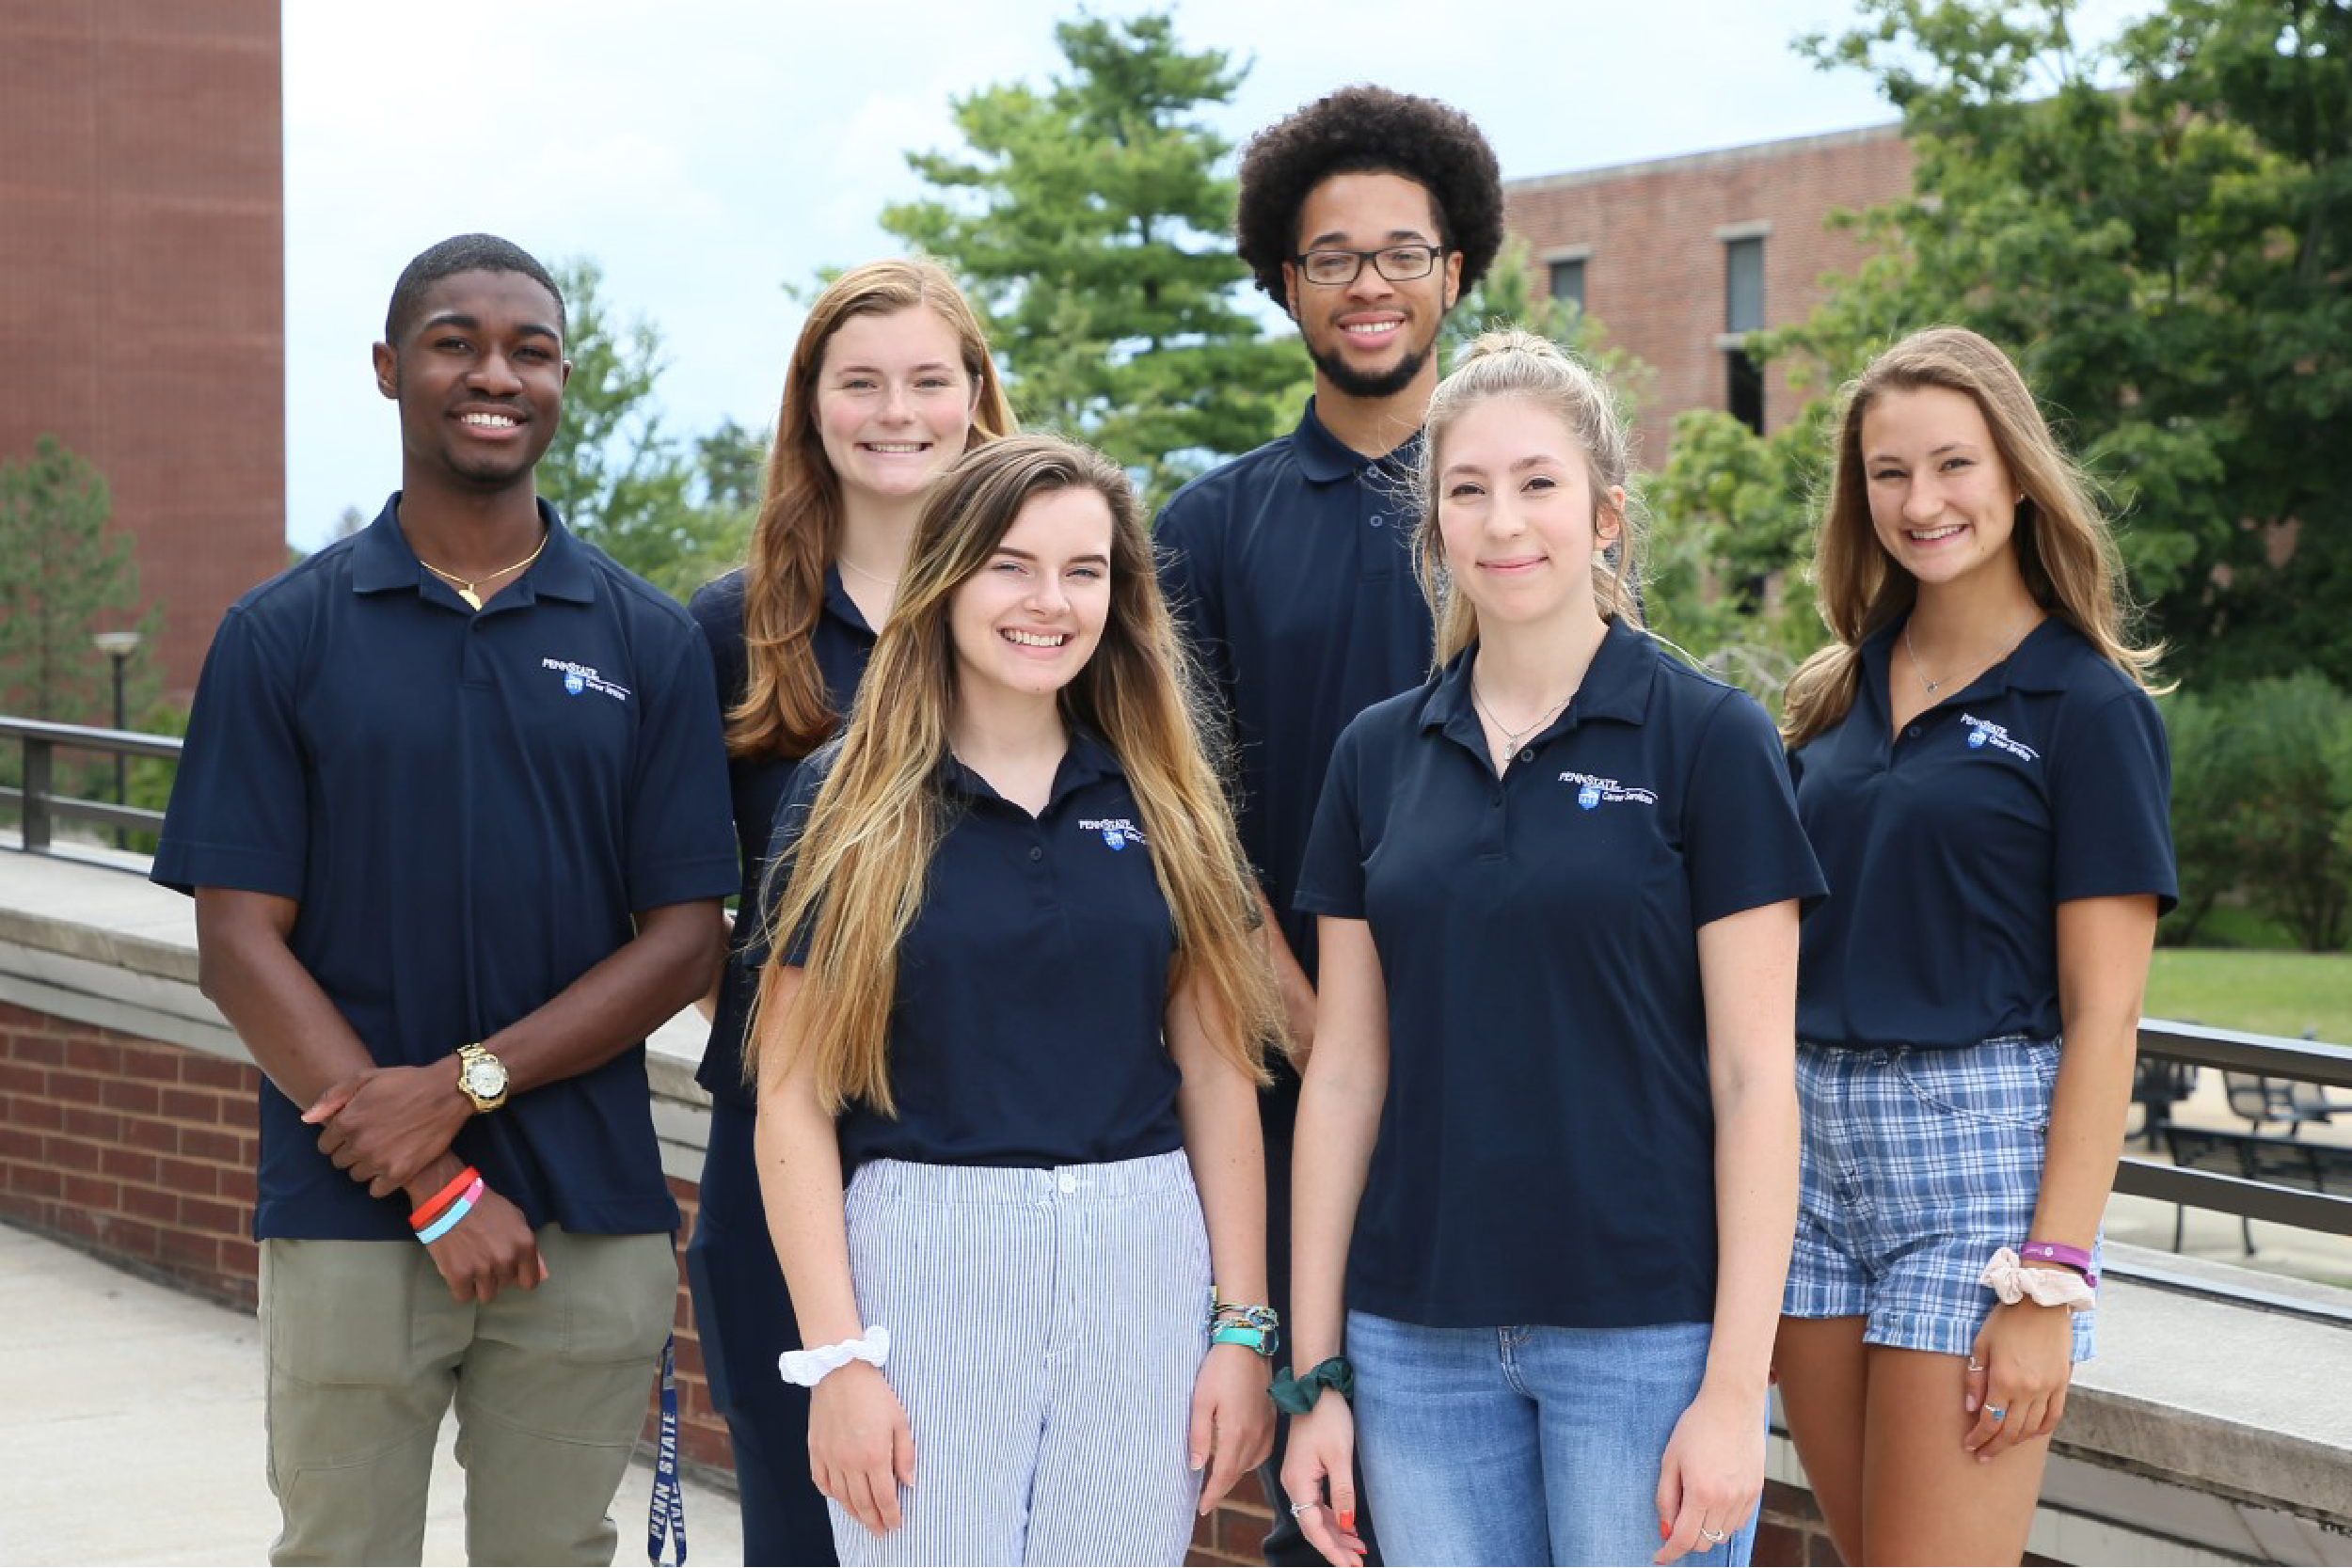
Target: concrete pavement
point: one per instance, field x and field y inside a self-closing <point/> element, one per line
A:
<point x="131" y="1429"/>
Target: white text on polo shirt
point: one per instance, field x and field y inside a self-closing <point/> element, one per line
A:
<point x="579" y="677"/>
<point x="1592" y="792"/>
<point x="1984" y="731"/>
<point x="1117" y="830"/>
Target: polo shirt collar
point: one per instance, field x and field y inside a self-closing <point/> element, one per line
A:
<point x="1324" y="459"/>
<point x="382" y="561"/>
<point x="839" y="604"/>
<point x="1617" y="686"/>
<point x="1087" y="760"/>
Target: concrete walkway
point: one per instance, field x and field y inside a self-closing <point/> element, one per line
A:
<point x="131" y="1429"/>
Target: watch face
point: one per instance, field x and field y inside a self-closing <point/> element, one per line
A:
<point x="486" y="1079"/>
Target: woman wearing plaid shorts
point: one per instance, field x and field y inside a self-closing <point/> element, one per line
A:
<point x="1986" y="783"/>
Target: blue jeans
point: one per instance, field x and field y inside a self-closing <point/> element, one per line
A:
<point x="1523" y="1444"/>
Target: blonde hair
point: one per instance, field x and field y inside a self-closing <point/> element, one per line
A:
<point x="784" y="711"/>
<point x="1511" y="363"/>
<point x="2065" y="550"/>
<point x="865" y="856"/>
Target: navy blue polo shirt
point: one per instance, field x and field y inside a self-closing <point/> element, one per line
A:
<point x="468" y="808"/>
<point x="1950" y="846"/>
<point x="1547" y="1149"/>
<point x="1290" y="570"/>
<point x="842" y="641"/>
<point x="1033" y="984"/>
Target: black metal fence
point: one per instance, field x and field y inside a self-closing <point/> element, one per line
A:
<point x="39" y="808"/>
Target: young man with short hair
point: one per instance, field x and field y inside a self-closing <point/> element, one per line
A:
<point x="1364" y="215"/>
<point x="453" y="808"/>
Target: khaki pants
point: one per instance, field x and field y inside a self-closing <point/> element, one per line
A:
<point x="365" y="1350"/>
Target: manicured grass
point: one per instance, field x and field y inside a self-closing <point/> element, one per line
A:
<point x="2269" y="993"/>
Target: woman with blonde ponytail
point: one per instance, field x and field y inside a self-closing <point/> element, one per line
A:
<point x="1985" y="777"/>
<point x="890" y="382"/>
<point x="1011" y="1020"/>
<point x="1546" y="1142"/>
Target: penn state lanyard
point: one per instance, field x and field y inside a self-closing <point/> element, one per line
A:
<point x="667" y="1514"/>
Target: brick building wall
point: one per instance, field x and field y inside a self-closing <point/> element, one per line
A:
<point x="142" y="281"/>
<point x="1653" y="238"/>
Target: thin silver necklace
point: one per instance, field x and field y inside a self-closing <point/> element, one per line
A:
<point x="1921" y="670"/>
<point x="848" y="565"/>
<point x="1510" y="738"/>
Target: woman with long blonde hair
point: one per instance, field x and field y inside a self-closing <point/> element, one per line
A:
<point x="1547" y="1141"/>
<point x="1015" y="995"/>
<point x="890" y="382"/>
<point x="1985" y="777"/>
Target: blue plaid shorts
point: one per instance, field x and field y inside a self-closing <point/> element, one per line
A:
<point x="1916" y="1165"/>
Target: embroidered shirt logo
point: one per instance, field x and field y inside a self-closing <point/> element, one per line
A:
<point x="1984" y="731"/>
<point x="1593" y="793"/>
<point x="1116" y="831"/>
<point x="581" y="677"/>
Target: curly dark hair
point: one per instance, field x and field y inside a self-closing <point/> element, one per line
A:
<point x="1369" y="130"/>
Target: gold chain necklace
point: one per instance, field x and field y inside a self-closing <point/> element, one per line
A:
<point x="466" y="586"/>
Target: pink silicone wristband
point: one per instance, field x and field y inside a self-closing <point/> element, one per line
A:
<point x="2057" y="1252"/>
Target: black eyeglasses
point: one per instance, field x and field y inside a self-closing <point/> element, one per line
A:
<point x="1398" y="263"/>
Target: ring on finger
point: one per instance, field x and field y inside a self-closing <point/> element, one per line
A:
<point x="1975" y="1365"/>
<point x="1998" y="1412"/>
<point x="1297" y="1509"/>
<point x="1716" y="1537"/>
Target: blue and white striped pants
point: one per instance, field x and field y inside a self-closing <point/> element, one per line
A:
<point x="1046" y="1328"/>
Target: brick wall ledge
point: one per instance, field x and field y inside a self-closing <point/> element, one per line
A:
<point x="2209" y="1428"/>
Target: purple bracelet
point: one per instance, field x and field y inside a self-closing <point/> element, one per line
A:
<point x="2059" y="1252"/>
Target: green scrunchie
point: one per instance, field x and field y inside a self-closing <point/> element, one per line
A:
<point x="1297" y="1395"/>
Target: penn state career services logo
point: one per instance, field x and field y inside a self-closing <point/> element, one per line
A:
<point x="583" y="677"/>
<point x="1591" y="793"/>
<point x="1116" y="831"/>
<point x="1984" y="731"/>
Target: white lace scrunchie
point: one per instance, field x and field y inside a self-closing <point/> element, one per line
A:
<point x="808" y="1368"/>
<point x="2008" y="1278"/>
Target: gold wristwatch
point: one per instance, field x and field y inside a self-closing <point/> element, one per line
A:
<point x="481" y="1078"/>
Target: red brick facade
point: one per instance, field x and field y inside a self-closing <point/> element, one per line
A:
<point x="1653" y="237"/>
<point x="142" y="281"/>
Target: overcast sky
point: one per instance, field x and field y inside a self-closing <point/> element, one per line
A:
<point x="704" y="152"/>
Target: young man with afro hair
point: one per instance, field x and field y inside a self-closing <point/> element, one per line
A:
<point x="1364" y="215"/>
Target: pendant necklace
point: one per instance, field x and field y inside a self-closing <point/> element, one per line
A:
<point x="1935" y="685"/>
<point x="466" y="587"/>
<point x="1511" y="740"/>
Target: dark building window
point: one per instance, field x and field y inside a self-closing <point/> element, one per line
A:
<point x="1743" y="311"/>
<point x="1567" y="281"/>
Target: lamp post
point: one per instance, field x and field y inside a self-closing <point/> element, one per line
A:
<point x="119" y="646"/>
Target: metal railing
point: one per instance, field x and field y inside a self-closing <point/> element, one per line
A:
<point x="41" y="808"/>
<point x="2266" y="1055"/>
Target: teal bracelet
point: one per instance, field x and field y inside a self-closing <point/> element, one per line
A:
<point x="1298" y="1394"/>
<point x="1249" y="1336"/>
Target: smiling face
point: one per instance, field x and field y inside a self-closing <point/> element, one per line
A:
<point x="1516" y="516"/>
<point x="1942" y="502"/>
<point x="1031" y="617"/>
<point x="894" y="403"/>
<point x="479" y="375"/>
<point x="1371" y="337"/>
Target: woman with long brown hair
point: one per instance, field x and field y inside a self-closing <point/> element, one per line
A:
<point x="890" y="383"/>
<point x="1984" y="778"/>
<point x="1006" y="1052"/>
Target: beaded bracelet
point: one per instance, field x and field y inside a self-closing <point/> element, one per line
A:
<point x="451" y="1215"/>
<point x="1298" y="1394"/>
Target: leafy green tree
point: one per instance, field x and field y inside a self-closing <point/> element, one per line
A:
<point x="1089" y="220"/>
<point x="2171" y="264"/>
<point x="65" y="576"/>
<point x="623" y="482"/>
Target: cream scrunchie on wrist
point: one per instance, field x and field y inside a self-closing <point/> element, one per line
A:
<point x="808" y="1368"/>
<point x="2011" y="1280"/>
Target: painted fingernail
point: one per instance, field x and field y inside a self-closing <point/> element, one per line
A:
<point x="1969" y="1403"/>
<point x="1663" y="1529"/>
<point x="1347" y="1520"/>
